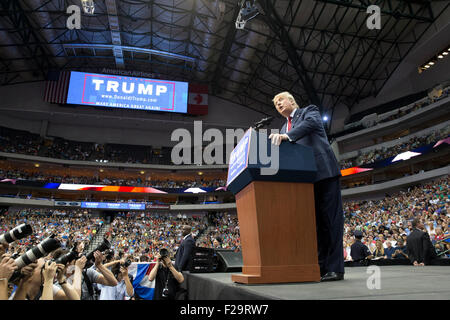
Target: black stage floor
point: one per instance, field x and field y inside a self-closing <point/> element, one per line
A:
<point x="396" y="282"/>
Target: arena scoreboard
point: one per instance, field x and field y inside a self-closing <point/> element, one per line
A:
<point x="113" y="91"/>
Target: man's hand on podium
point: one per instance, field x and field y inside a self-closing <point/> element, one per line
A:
<point x="277" y="138"/>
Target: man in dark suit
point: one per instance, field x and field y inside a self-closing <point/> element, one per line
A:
<point x="185" y="251"/>
<point x="419" y="246"/>
<point x="304" y="126"/>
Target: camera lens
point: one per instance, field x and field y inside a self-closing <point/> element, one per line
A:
<point x="164" y="253"/>
<point x="17" y="233"/>
<point x="126" y="264"/>
<point x="68" y="257"/>
<point x="42" y="249"/>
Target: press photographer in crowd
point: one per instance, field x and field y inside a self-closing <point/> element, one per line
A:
<point x="124" y="288"/>
<point x="100" y="275"/>
<point x="168" y="278"/>
<point x="7" y="268"/>
<point x="37" y="282"/>
<point x="34" y="271"/>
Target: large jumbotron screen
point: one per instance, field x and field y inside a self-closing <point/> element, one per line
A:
<point x="114" y="91"/>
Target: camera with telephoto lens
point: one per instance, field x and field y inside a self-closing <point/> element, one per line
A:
<point x="68" y="257"/>
<point x="41" y="250"/>
<point x="101" y="247"/>
<point x="17" y="233"/>
<point x="126" y="264"/>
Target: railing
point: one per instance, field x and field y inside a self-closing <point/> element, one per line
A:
<point x="98" y="238"/>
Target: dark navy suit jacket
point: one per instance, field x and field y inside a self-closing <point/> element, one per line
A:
<point x="183" y="257"/>
<point x="307" y="129"/>
<point x="419" y="246"/>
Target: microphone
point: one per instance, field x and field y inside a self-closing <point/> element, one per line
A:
<point x="263" y="122"/>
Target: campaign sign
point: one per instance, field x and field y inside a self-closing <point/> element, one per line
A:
<point x="239" y="157"/>
<point x="113" y="205"/>
<point x="127" y="92"/>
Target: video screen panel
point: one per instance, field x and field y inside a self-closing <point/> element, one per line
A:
<point x="113" y="205"/>
<point x="113" y="91"/>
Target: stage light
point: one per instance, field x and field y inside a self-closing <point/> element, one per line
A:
<point x="37" y="165"/>
<point x="142" y="172"/>
<point x="101" y="170"/>
<point x="88" y="6"/>
<point x="200" y="173"/>
<point x="325" y="118"/>
<point x="248" y="11"/>
<point x="433" y="60"/>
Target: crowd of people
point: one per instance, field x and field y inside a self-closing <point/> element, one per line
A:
<point x="16" y="141"/>
<point x="141" y="235"/>
<point x="70" y="226"/>
<point x="383" y="153"/>
<point x="48" y="177"/>
<point x="385" y="224"/>
<point x="68" y="150"/>
<point x="13" y="141"/>
<point x="223" y="233"/>
<point x="434" y="96"/>
<point x="134" y="237"/>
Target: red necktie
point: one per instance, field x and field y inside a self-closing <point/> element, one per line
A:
<point x="289" y="124"/>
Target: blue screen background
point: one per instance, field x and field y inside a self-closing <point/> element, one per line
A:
<point x="82" y="91"/>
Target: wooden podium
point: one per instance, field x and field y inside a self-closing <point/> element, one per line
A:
<point x="276" y="213"/>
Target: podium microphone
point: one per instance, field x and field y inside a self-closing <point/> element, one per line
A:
<point x="263" y="122"/>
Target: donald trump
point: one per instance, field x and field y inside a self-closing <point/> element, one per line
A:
<point x="304" y="126"/>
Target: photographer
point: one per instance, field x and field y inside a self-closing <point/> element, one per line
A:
<point x="168" y="279"/>
<point x="85" y="279"/>
<point x="48" y="273"/>
<point x="124" y="287"/>
<point x="69" y="289"/>
<point x="3" y="248"/>
<point x="37" y="282"/>
<point x="7" y="268"/>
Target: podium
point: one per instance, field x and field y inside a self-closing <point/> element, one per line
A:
<point x="275" y="211"/>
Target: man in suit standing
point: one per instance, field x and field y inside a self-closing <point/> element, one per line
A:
<point x="184" y="252"/>
<point x="419" y="246"/>
<point x="304" y="126"/>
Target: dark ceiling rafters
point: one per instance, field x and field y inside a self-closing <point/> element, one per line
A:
<point x="277" y="26"/>
<point x="26" y="33"/>
<point x="328" y="57"/>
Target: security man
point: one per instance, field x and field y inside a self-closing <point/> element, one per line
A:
<point x="359" y="251"/>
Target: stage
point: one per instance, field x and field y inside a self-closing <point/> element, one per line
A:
<point x="396" y="282"/>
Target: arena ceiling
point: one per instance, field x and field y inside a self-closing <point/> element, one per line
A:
<point x="322" y="50"/>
